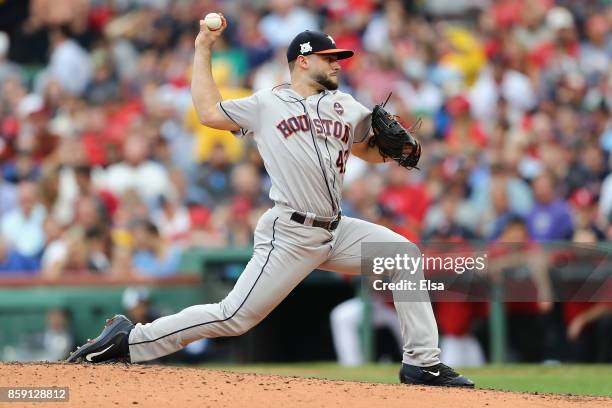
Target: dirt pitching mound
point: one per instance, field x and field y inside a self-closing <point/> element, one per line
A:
<point x="122" y="385"/>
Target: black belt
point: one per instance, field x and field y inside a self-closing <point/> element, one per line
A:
<point x="327" y="225"/>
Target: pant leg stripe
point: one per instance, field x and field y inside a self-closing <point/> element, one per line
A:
<point x="233" y="314"/>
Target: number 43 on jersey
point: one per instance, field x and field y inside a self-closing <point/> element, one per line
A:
<point x="341" y="160"/>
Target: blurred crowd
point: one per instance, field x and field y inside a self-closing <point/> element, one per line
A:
<point x="105" y="168"/>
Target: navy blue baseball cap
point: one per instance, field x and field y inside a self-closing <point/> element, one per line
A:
<point x="314" y="42"/>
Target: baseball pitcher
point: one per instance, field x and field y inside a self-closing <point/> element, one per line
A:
<point x="305" y="133"/>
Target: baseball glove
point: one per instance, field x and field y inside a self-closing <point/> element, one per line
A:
<point x="393" y="140"/>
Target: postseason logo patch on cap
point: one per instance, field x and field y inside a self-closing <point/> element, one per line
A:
<point x="313" y="42"/>
<point x="305" y="47"/>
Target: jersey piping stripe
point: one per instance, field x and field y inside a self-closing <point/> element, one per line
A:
<point x="236" y="311"/>
<point x="296" y="100"/>
<point x="331" y="169"/>
<point x="314" y="142"/>
<point x="278" y="86"/>
<point x="232" y="119"/>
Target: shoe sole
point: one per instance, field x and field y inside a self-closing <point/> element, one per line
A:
<point x="439" y="385"/>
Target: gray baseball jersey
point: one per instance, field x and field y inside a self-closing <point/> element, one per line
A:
<point x="304" y="142"/>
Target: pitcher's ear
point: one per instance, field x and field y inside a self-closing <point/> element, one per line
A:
<point x="302" y="61"/>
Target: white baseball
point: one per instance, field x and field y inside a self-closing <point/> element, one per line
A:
<point x="212" y="21"/>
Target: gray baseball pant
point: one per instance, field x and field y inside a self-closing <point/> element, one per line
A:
<point x="285" y="252"/>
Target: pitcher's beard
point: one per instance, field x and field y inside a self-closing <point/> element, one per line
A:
<point x="325" y="82"/>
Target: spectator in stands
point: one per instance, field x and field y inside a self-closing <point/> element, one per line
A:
<point x="387" y="217"/>
<point x="248" y="201"/>
<point x="506" y="196"/>
<point x="588" y="324"/>
<point x="153" y="256"/>
<point x="246" y="185"/>
<point x="148" y="178"/>
<point x="57" y="341"/>
<point x="584" y="211"/>
<point x="8" y="197"/>
<point x="68" y="256"/>
<point x="272" y="72"/>
<point x="204" y="231"/>
<point x="207" y="139"/>
<point x="406" y="197"/>
<point x="48" y="189"/>
<point x="456" y="320"/>
<point x="233" y="58"/>
<point x="494" y="221"/>
<point x="550" y="218"/>
<point x="56" y="248"/>
<point x="8" y="69"/>
<point x="81" y="249"/>
<point x="11" y="262"/>
<point x="532" y="32"/>
<point x="137" y="303"/>
<point x="76" y="183"/>
<point x="605" y="200"/>
<point x="561" y="52"/>
<point x="501" y="82"/>
<point x="104" y="86"/>
<point x="465" y="134"/>
<point x="70" y="64"/>
<point x="131" y="207"/>
<point x="121" y="262"/>
<point x="239" y="223"/>
<point x="361" y="196"/>
<point x="22" y="227"/>
<point x="346" y="319"/>
<point x="76" y="259"/>
<point x="96" y="241"/>
<point x="286" y="20"/>
<point x="589" y="331"/>
<point x="209" y="183"/>
<point x="90" y="212"/>
<point x="528" y="319"/>
<point x="171" y="219"/>
<point x="256" y="48"/>
<point x="55" y="12"/>
<point x="596" y="51"/>
<point x="421" y="96"/>
<point x="253" y="158"/>
<point x="589" y="170"/>
<point x="453" y="210"/>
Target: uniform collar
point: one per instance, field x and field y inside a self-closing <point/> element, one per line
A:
<point x="285" y="89"/>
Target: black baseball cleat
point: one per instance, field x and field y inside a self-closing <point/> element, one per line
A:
<point x="439" y="374"/>
<point x="111" y="345"/>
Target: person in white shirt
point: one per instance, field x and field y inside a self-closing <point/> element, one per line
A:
<point x="420" y="95"/>
<point x="500" y="82"/>
<point x="285" y="21"/>
<point x="147" y="177"/>
<point x="70" y="64"/>
<point x="22" y="228"/>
